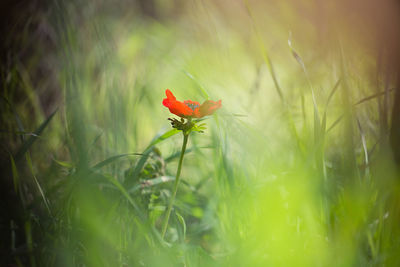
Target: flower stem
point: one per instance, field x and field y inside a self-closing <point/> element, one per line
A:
<point x="178" y="174"/>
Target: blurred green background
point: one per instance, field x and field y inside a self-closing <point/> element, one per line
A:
<point x="295" y="169"/>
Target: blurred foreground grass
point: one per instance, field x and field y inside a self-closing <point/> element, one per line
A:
<point x="294" y="170"/>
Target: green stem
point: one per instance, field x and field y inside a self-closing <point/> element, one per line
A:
<point x="178" y="174"/>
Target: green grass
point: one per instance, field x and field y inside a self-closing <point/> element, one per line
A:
<point x="294" y="170"/>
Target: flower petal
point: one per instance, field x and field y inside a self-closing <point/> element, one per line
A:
<point x="181" y="109"/>
<point x="170" y="95"/>
<point x="208" y="108"/>
<point x="176" y="107"/>
<point x="189" y="108"/>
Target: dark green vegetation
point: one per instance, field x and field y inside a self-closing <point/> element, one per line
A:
<point x="296" y="169"/>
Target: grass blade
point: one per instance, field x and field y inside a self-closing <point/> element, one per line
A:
<point x="364" y="145"/>
<point x="113" y="158"/>
<point x="177" y="154"/>
<point x="317" y="126"/>
<point x="182" y="221"/>
<point x="372" y="97"/>
<point x="162" y="137"/>
<point x="335" y="123"/>
<point x="14" y="174"/>
<point x="139" y="166"/>
<point x="28" y="143"/>
<point x="46" y="203"/>
<point x="119" y="186"/>
<point x="334" y="89"/>
<point x="16" y="115"/>
<point x="200" y="86"/>
<point x="264" y="52"/>
<point x="64" y="164"/>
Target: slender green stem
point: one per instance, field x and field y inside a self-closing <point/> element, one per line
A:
<point x="178" y="174"/>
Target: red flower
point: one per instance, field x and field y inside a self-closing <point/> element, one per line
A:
<point x="189" y="108"/>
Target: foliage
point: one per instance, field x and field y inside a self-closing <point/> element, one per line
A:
<point x="294" y="170"/>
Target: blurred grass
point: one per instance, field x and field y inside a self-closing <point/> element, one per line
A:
<point x="294" y="169"/>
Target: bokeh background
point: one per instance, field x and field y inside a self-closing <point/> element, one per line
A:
<point x="298" y="168"/>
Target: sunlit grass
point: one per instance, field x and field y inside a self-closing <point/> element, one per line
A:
<point x="290" y="180"/>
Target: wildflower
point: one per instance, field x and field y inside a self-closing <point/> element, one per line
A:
<point x="190" y="109"/>
<point x="187" y="110"/>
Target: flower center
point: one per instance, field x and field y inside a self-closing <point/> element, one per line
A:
<point x="192" y="106"/>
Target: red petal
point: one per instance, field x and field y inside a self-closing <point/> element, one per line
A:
<point x="170" y="95"/>
<point x="208" y="108"/>
<point x="176" y="107"/>
<point x="181" y="109"/>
